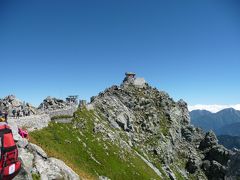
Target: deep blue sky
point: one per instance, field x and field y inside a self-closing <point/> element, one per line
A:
<point x="191" y="49"/>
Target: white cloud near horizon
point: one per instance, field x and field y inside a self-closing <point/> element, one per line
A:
<point x="213" y="108"/>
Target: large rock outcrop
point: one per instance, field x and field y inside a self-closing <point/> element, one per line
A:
<point x="35" y="162"/>
<point x="57" y="107"/>
<point x="10" y="103"/>
<point x="160" y="129"/>
<point x="51" y="103"/>
<point x="233" y="171"/>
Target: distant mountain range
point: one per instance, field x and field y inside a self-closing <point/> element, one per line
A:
<point x="229" y="142"/>
<point x="231" y="129"/>
<point x="224" y="122"/>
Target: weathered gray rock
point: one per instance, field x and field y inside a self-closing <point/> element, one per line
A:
<point x="10" y="103"/>
<point x="233" y="171"/>
<point x="214" y="170"/>
<point x="193" y="164"/>
<point x="57" y="107"/>
<point x="35" y="161"/>
<point x="22" y="142"/>
<point x="38" y="150"/>
<point x="209" y="141"/>
<point x="54" y="169"/>
<point x="219" y="154"/>
<point x="51" y="103"/>
<point x="27" y="159"/>
<point x="119" y="115"/>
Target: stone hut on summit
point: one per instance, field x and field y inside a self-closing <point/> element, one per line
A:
<point x="130" y="75"/>
<point x="130" y="78"/>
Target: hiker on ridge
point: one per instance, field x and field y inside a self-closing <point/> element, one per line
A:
<point x="6" y="116"/>
<point x="14" y="113"/>
<point x="18" y="114"/>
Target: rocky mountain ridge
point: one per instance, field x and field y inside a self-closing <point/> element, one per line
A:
<point x="160" y="129"/>
<point x="139" y="123"/>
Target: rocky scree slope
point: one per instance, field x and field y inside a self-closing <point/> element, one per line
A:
<point x="159" y="130"/>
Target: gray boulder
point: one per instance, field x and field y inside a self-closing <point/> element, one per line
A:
<point x="10" y="103"/>
<point x="209" y="141"/>
<point x="214" y="170"/>
<point x="233" y="171"/>
<point x="51" y="103"/>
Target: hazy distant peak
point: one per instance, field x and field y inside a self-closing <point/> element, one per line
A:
<point x="214" y="107"/>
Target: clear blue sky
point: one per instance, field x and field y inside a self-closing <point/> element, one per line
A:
<point x="191" y="49"/>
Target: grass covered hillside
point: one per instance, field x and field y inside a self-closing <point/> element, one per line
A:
<point x="90" y="150"/>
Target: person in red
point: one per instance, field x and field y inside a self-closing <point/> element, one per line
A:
<point x="10" y="165"/>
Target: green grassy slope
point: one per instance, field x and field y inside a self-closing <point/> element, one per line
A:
<point x="88" y="153"/>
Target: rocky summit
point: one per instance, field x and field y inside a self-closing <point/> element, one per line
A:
<point x="131" y="131"/>
<point x="159" y="129"/>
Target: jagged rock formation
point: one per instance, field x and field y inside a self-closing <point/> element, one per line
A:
<point x="10" y="103"/>
<point x="233" y="171"/>
<point x="51" y="103"/>
<point x="35" y="162"/>
<point x="57" y="107"/>
<point x="160" y="129"/>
